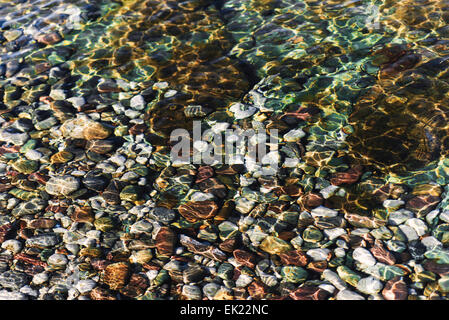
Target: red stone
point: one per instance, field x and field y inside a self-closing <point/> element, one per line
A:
<point x="228" y="245"/>
<point x="4" y="230"/>
<point x="382" y="255"/>
<point x="136" y="286"/>
<point x="49" y="38"/>
<point x="82" y="214"/>
<point x="303" y="113"/>
<point x="245" y="258"/>
<point x="198" y="210"/>
<point x="42" y="223"/>
<point x="317" y="266"/>
<point x="422" y="204"/>
<point x="138" y="129"/>
<point x="294" y="257"/>
<point x="293" y="190"/>
<point x="395" y="289"/>
<point x="204" y="172"/>
<point x="349" y="177"/>
<point x="197" y="247"/>
<point x="308" y="293"/>
<point x="257" y="290"/>
<point x="116" y="275"/>
<point x="440" y="269"/>
<point x="214" y="186"/>
<point x="99" y="264"/>
<point x="165" y="241"/>
<point x="38" y="177"/>
<point x="29" y="259"/>
<point x="311" y="200"/>
<point x="99" y="293"/>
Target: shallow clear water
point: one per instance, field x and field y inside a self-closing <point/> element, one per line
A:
<point x="367" y="82"/>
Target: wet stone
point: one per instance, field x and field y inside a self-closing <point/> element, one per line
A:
<point x="294" y="274"/>
<point x="274" y="245"/>
<point x="63" y="185"/>
<point x="163" y="215"/>
<point x="13" y="280"/>
<point x="395" y="289"/>
<point x="165" y="241"/>
<point x="245" y="258"/>
<point x="43" y="241"/>
<point x="116" y="275"/>
<point x="198" y="210"/>
<point x="294" y="257"/>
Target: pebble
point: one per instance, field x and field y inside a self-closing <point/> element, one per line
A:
<point x="85" y="286"/>
<point x="369" y="285"/>
<point x="137" y="102"/>
<point x="323" y="212"/>
<point x="400" y="216"/>
<point x="393" y="204"/>
<point x="63" y="185"/>
<point x="57" y="260"/>
<point x="15" y="246"/>
<point x="333" y="278"/>
<point x="241" y="111"/>
<point x="364" y="257"/>
<point x="294" y="135"/>
<point x="192" y="292"/>
<point x="349" y="295"/>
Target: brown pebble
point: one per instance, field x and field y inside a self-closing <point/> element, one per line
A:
<point x="257" y="290"/>
<point x="101" y="294"/>
<point x="49" y="38"/>
<point x="310" y="200"/>
<point x="116" y="275"/>
<point x="165" y="241"/>
<point x="308" y="293"/>
<point x="245" y="258"/>
<point x="198" y="210"/>
<point x="422" y="204"/>
<point x="349" y="177"/>
<point x="42" y="223"/>
<point x="83" y="214"/>
<point x="395" y="289"/>
<point x="204" y="172"/>
<point x="294" y="257"/>
<point x="382" y="255"/>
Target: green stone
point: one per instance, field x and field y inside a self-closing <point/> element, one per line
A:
<point x="121" y="131"/>
<point x="348" y="275"/>
<point x="228" y="230"/>
<point x="29" y="145"/>
<point x="396" y="246"/>
<point x="382" y="233"/>
<point x="312" y="234"/>
<point x="294" y="274"/>
<point x="141" y="170"/>
<point x="225" y="271"/>
<point x="130" y="193"/>
<point x="274" y="245"/>
<point x="161" y="278"/>
<point x="439" y="255"/>
<point x="26" y="166"/>
<point x="104" y="224"/>
<point x="22" y="194"/>
<point x="207" y="234"/>
<point x="441" y="232"/>
<point x="335" y="262"/>
<point x="424" y="276"/>
<point x="389" y="272"/>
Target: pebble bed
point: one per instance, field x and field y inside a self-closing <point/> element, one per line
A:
<point x="93" y="208"/>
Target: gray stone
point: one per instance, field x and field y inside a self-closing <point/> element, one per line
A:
<point x="13" y="280"/>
